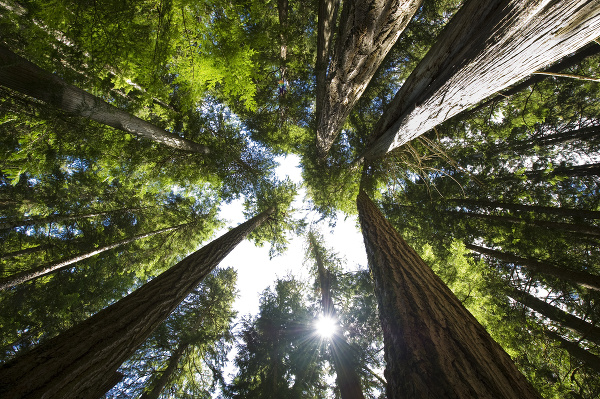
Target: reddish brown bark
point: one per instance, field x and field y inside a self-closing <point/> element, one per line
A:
<point x="79" y="361"/>
<point x="434" y="348"/>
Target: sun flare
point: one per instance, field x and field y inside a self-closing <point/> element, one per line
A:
<point x="326" y="326"/>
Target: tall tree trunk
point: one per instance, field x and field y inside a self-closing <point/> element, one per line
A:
<point x="434" y="348"/>
<point x="583" y="134"/>
<point x="282" y="11"/>
<point x="25" y="77"/>
<point x="25" y="251"/>
<point x="166" y="374"/>
<point x="22" y="277"/>
<point x="578" y="228"/>
<point x="367" y="31"/>
<point x="588" y="358"/>
<point x="567" y="62"/>
<point x="327" y="13"/>
<point x="486" y="47"/>
<point x="11" y="224"/>
<point x="583" y="213"/>
<point x="81" y="359"/>
<point x="587" y="330"/>
<point x="592" y="169"/>
<point x="347" y="379"/>
<point x="582" y="279"/>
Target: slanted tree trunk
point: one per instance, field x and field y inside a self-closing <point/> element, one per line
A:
<point x="586" y="357"/>
<point x="434" y="348"/>
<point x="367" y="31"/>
<point x="583" y="134"/>
<point x="80" y="360"/>
<point x="25" y="77"/>
<point x="587" y="330"/>
<point x="592" y="169"/>
<point x="22" y="277"/>
<point x="582" y="279"/>
<point x="25" y="251"/>
<point x="486" y="47"/>
<point x="583" y="213"/>
<point x="347" y="379"/>
<point x="166" y="374"/>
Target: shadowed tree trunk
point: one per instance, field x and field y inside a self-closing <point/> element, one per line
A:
<point x="587" y="330"/>
<point x="22" y="277"/>
<point x="583" y="213"/>
<point x="589" y="359"/>
<point x="25" y="251"/>
<point x="582" y="279"/>
<point x="347" y="379"/>
<point x="166" y="374"/>
<point x="367" y="31"/>
<point x="592" y="169"/>
<point x="25" y="77"/>
<point x="80" y="360"/>
<point x="486" y="47"/>
<point x="327" y="14"/>
<point x="434" y="348"/>
<point x="282" y="11"/>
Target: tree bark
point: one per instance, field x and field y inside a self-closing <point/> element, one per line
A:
<point x="27" y="275"/>
<point x="587" y="330"/>
<point x="347" y="379"/>
<point x="585" y="133"/>
<point x="367" y="31"/>
<point x="592" y="169"/>
<point x="25" y="77"/>
<point x="582" y="213"/>
<point x="166" y="374"/>
<point x="282" y="11"/>
<point x="586" y="357"/>
<point x="75" y="363"/>
<point x="434" y="348"/>
<point x="486" y="47"/>
<point x="25" y="251"/>
<point x="582" y="279"/>
<point x="327" y="14"/>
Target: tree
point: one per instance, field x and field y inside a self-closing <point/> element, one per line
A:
<point x="434" y="346"/>
<point x="505" y="32"/>
<point x="65" y="365"/>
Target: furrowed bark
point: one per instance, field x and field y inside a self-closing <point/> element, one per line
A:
<point x="347" y="379"/>
<point x="74" y="364"/>
<point x="587" y="330"/>
<point x="25" y="77"/>
<point x="327" y="13"/>
<point x="368" y="29"/>
<point x="27" y="275"/>
<point x="486" y="47"/>
<point x="434" y="348"/>
<point x="582" y="279"/>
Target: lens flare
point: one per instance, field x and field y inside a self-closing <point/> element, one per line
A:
<point x="326" y="326"/>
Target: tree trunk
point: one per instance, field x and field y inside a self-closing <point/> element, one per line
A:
<point x="327" y="14"/>
<point x="583" y="134"/>
<point x="587" y="330"/>
<point x="567" y="62"/>
<point x="25" y="251"/>
<point x="347" y="379"/>
<point x="11" y="224"/>
<point x="592" y="169"/>
<point x="166" y="374"/>
<point x="25" y="77"/>
<point x="75" y="363"/>
<point x="367" y="31"/>
<point x="486" y="47"/>
<point x="282" y="11"/>
<point x="582" y="279"/>
<point x="22" y="277"/>
<point x="434" y="348"/>
<point x="586" y="357"/>
<point x="582" y="213"/>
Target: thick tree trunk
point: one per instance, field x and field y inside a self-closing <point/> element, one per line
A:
<point x="166" y="374"/>
<point x="11" y="224"/>
<point x="22" y="277"/>
<point x="579" y="213"/>
<point x="587" y="330"/>
<point x="434" y="348"/>
<point x="588" y="358"/>
<point x="78" y="361"/>
<point x="347" y="379"/>
<point x="25" y="77"/>
<point x="486" y="47"/>
<point x="327" y="14"/>
<point x="367" y="31"/>
<point x="582" y="279"/>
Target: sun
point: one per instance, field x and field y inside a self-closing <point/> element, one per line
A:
<point x="326" y="326"/>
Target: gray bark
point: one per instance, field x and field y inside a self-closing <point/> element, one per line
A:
<point x="76" y="363"/>
<point x="434" y="348"/>
<point x="485" y="48"/>
<point x="367" y="31"/>
<point x="25" y="77"/>
<point x="582" y="279"/>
